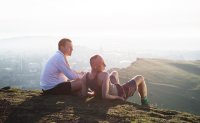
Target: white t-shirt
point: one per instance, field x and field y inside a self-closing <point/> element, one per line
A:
<point x="57" y="70"/>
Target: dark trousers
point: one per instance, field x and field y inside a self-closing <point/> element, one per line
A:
<point x="63" y="88"/>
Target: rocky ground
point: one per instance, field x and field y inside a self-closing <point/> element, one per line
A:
<point x="22" y="106"/>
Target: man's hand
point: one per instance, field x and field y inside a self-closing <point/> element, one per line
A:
<point x="91" y="93"/>
<point x="81" y="74"/>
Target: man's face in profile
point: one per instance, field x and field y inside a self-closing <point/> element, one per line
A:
<point x="99" y="64"/>
<point x="68" y="48"/>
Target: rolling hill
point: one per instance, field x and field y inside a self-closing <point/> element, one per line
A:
<point x="171" y="84"/>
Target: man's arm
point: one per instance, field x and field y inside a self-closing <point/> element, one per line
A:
<point x="85" y="91"/>
<point x="105" y="87"/>
<point x="80" y="74"/>
<point x="69" y="73"/>
<point x="84" y="87"/>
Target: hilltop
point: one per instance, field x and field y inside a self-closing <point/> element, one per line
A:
<point x="172" y="84"/>
<point x="21" y="106"/>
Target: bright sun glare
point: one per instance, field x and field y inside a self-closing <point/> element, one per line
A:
<point x="160" y="25"/>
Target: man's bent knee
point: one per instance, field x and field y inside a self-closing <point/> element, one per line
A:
<point x="139" y="78"/>
<point x="76" y="85"/>
<point x="114" y="73"/>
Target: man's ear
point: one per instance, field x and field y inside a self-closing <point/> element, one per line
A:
<point x="64" y="47"/>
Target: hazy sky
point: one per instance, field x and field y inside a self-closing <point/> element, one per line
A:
<point x="139" y="24"/>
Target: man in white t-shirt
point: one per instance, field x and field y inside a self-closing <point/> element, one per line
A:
<point x="57" y="77"/>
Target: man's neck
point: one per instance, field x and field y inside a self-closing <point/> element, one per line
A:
<point x="63" y="53"/>
<point x="93" y="71"/>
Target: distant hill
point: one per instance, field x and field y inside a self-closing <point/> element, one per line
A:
<point x="171" y="84"/>
<point x="22" y="106"/>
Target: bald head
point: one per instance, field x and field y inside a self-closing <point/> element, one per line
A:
<point x="97" y="63"/>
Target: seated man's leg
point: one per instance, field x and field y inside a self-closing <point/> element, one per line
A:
<point x="137" y="83"/>
<point x="141" y="85"/>
<point x="60" y="89"/>
<point x="65" y="88"/>
<point x="114" y="77"/>
<point x="76" y="85"/>
<point x="142" y="89"/>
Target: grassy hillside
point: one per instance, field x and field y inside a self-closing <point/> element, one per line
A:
<point x="171" y="84"/>
<point x="22" y="106"/>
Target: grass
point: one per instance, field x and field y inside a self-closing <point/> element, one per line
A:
<point x="30" y="106"/>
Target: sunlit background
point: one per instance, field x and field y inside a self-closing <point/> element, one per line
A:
<point x="159" y="39"/>
<point x="112" y="24"/>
